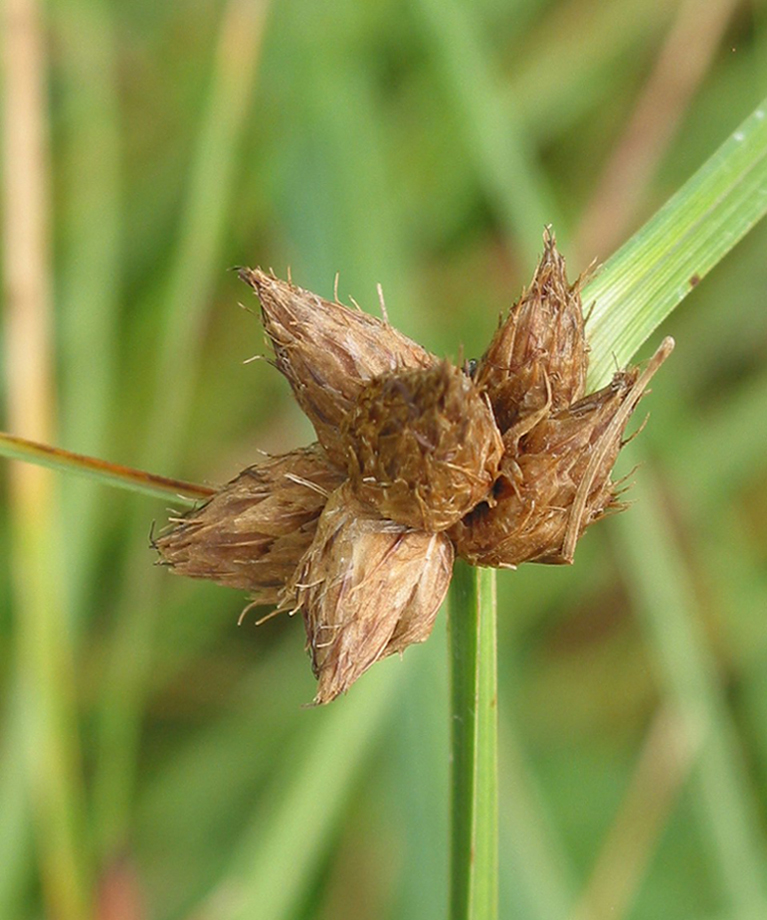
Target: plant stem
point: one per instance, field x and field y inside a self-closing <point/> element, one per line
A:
<point x="112" y="474"/>
<point x="474" y="710"/>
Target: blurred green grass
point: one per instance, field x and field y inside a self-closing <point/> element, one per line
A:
<point x="422" y="146"/>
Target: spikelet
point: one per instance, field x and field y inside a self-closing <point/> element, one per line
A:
<point x="537" y="360"/>
<point x="417" y="460"/>
<point x="367" y="588"/>
<point x="327" y="351"/>
<point x="423" y="446"/>
<point x="252" y="533"/>
<point x="559" y="481"/>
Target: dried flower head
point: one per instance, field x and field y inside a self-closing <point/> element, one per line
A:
<point x="558" y="481"/>
<point x="367" y="588"/>
<point x="537" y="359"/>
<point x="422" y="446"/>
<point x="328" y="352"/>
<point x="252" y="533"/>
<point x="417" y="460"/>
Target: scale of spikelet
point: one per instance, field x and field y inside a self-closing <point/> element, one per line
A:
<point x="422" y="446"/>
<point x="367" y="588"/>
<point x="327" y="351"/>
<point x="559" y="482"/>
<point x="254" y="530"/>
<point x="538" y="358"/>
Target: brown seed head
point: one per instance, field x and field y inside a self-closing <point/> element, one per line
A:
<point x="367" y="588"/>
<point x="327" y="351"/>
<point x="508" y="467"/>
<point x="252" y="533"/>
<point x="422" y="446"/>
<point x="537" y="360"/>
<point x="558" y="482"/>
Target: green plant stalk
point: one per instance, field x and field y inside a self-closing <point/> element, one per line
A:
<point x="474" y="781"/>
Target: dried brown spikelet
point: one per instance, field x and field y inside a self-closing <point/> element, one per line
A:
<point x="559" y="481"/>
<point x="367" y="588"/>
<point x="423" y="446"/>
<point x="328" y="351"/>
<point x="538" y="358"/>
<point x="252" y="533"/>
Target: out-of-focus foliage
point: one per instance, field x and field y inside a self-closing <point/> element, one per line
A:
<point x="422" y="145"/>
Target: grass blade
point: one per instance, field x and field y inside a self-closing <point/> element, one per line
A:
<point x="655" y="270"/>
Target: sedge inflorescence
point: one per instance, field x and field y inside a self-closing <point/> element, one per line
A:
<point x="416" y="460"/>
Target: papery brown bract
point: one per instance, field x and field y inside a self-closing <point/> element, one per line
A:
<point x="422" y="445"/>
<point x="538" y="358"/>
<point x="559" y="480"/>
<point x="366" y="588"/>
<point x="252" y="533"/>
<point x="328" y="351"/>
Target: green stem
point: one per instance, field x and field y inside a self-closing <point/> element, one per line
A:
<point x="474" y="711"/>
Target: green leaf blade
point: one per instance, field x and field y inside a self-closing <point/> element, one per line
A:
<point x="649" y="276"/>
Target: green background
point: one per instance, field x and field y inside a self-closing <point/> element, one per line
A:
<point x="422" y="145"/>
